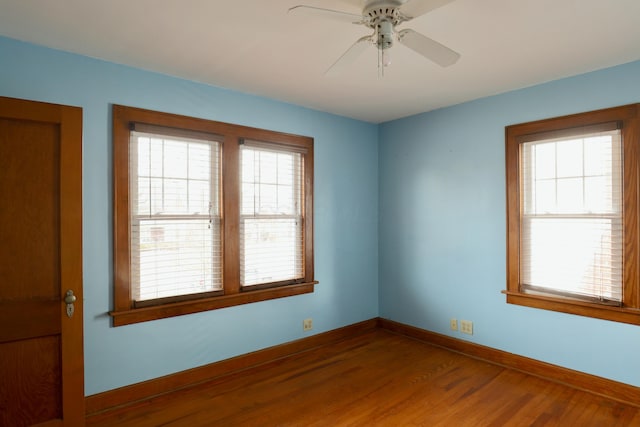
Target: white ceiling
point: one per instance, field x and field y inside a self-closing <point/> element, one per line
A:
<point x="254" y="46"/>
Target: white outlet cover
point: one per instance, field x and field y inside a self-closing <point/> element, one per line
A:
<point x="466" y="327"/>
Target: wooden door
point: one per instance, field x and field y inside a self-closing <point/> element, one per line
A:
<point x="41" y="355"/>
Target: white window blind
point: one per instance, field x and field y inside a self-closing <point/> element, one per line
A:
<point x="271" y="214"/>
<point x="175" y="214"/>
<point x="571" y="205"/>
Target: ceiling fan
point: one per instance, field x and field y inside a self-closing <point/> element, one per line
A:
<point x="383" y="16"/>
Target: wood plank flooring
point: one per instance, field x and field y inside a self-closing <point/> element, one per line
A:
<point x="375" y="379"/>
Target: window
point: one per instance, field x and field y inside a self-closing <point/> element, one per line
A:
<point x="174" y="224"/>
<point x="572" y="213"/>
<point x="571" y="226"/>
<point x="207" y="215"/>
<point x="271" y="243"/>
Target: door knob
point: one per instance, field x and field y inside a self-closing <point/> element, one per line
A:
<point x="69" y="299"/>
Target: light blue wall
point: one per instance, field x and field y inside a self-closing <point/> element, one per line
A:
<point x="442" y="226"/>
<point x="346" y="215"/>
<point x="429" y="187"/>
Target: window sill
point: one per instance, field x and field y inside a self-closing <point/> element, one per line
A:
<point x="128" y="317"/>
<point x="614" y="314"/>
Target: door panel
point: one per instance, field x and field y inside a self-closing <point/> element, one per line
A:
<point x="30" y="180"/>
<point x="31" y="372"/>
<point x="41" y="358"/>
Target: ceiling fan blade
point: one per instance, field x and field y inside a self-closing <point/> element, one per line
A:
<point x="329" y="13"/>
<point x="429" y="48"/>
<point x="349" y="56"/>
<point x="414" y="8"/>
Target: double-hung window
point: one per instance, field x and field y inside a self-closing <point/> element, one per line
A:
<point x="174" y="227"/>
<point x="572" y="201"/>
<point x="572" y="215"/>
<point x="207" y="215"/>
<point x="271" y="220"/>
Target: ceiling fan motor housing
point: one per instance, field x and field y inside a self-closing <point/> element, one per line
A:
<point x="384" y="31"/>
<point x="382" y="17"/>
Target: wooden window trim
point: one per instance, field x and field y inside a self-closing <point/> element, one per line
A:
<point x="123" y="311"/>
<point x="629" y="117"/>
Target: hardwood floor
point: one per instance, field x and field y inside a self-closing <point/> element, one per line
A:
<point x="375" y="379"/>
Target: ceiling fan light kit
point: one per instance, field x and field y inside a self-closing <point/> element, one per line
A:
<point x="382" y="16"/>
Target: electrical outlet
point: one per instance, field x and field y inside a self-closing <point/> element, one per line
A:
<point x="453" y="323"/>
<point x="466" y="327"/>
<point x="307" y="324"/>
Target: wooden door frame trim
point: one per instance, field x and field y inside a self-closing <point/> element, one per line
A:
<point x="112" y="399"/>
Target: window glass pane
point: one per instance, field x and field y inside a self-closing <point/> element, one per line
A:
<point x="156" y="195"/>
<point x="248" y="166"/>
<point x="268" y="199"/>
<point x="248" y="198"/>
<point x="271" y="223"/>
<point x="569" y="196"/>
<point x="571" y="240"/>
<point x="545" y="196"/>
<point x="181" y="184"/>
<point x="545" y="161"/>
<point x="286" y="199"/>
<point x="285" y="169"/>
<point x="176" y="258"/>
<point x="569" y="158"/>
<point x="598" y="155"/>
<point x="144" y="157"/>
<point x="271" y="250"/>
<point x="577" y="256"/>
<point x="199" y="161"/>
<point x="597" y="194"/>
<point x="156" y="162"/>
<point x="276" y="194"/>
<point x="267" y="166"/>
<point x="143" y="197"/>
<point x="175" y="159"/>
<point x="175" y="239"/>
<point x="199" y="197"/>
<point x="175" y="196"/>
